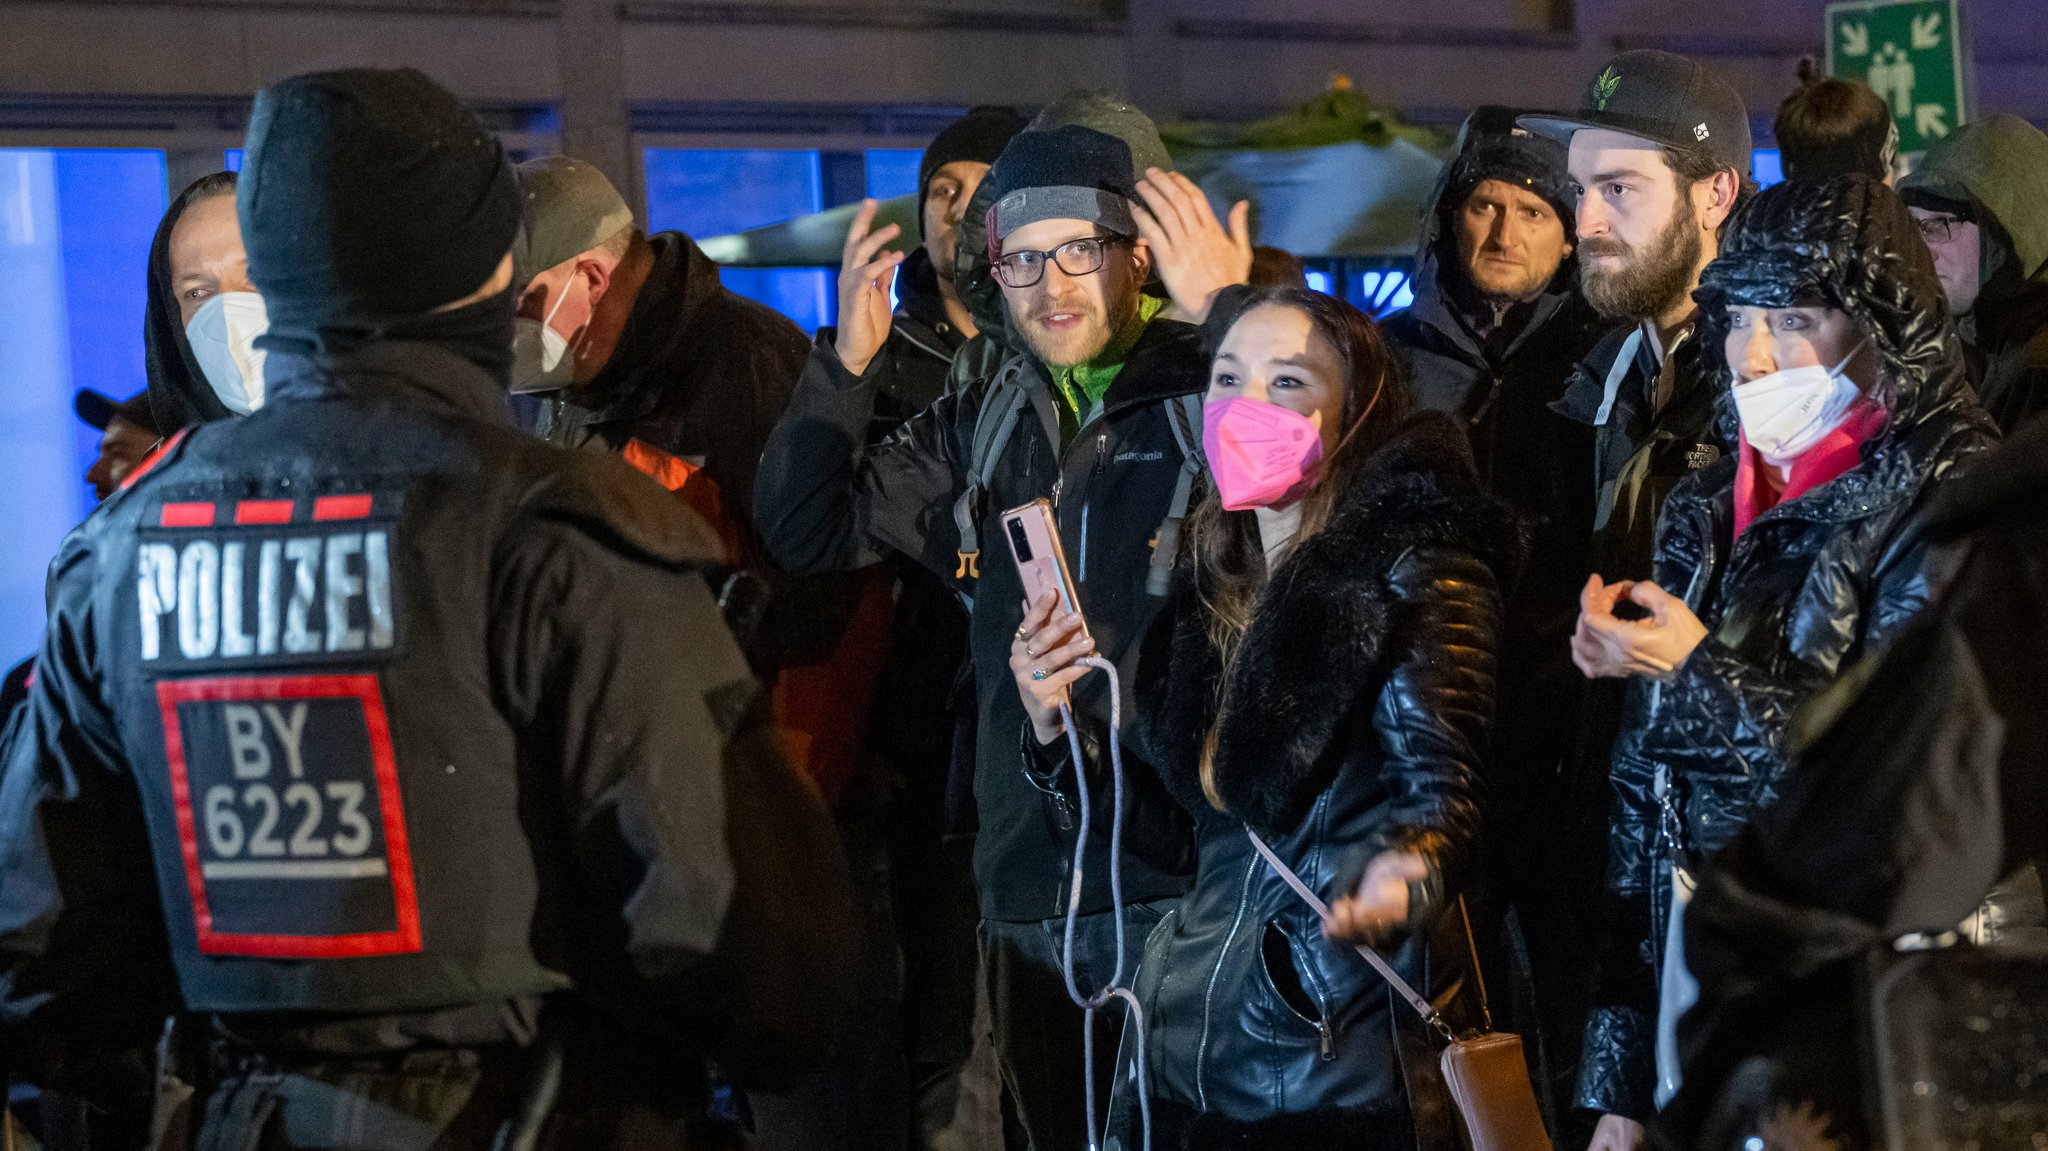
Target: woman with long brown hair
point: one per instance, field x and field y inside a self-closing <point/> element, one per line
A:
<point x="1322" y="675"/>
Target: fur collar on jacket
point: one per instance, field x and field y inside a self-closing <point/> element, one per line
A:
<point x="1316" y="646"/>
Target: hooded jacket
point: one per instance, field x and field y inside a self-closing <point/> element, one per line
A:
<point x="700" y="373"/>
<point x="1351" y="721"/>
<point x="178" y="392"/>
<point x="1501" y="387"/>
<point x="1997" y="167"/>
<point x="695" y="385"/>
<point x="1918" y="789"/>
<point x="1810" y="587"/>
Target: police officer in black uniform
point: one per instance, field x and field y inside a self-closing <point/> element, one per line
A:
<point x="409" y="755"/>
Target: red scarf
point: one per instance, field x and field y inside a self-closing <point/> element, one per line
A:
<point x="1824" y="461"/>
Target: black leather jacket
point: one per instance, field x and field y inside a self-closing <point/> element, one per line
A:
<point x="1351" y="722"/>
<point x="1809" y="588"/>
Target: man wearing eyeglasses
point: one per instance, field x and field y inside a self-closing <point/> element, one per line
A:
<point x="1977" y="195"/>
<point x="1090" y="410"/>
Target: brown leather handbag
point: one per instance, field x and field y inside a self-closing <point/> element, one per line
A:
<point x="1485" y="1070"/>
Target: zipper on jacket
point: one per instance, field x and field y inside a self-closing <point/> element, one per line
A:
<point x="1063" y="808"/>
<point x="1325" y="1030"/>
<point x="1244" y="902"/>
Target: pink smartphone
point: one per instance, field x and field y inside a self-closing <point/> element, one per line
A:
<point x="1041" y="562"/>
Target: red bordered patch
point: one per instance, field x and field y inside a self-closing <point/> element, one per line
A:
<point x="289" y="816"/>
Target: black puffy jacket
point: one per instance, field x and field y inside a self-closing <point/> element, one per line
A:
<point x="1352" y="721"/>
<point x="1812" y="585"/>
<point x="1919" y="786"/>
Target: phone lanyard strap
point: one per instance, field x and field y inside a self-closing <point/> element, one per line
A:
<point x="1423" y="1007"/>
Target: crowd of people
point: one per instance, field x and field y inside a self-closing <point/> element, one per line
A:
<point x="1629" y="646"/>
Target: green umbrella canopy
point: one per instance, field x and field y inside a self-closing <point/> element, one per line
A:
<point x="1334" y="177"/>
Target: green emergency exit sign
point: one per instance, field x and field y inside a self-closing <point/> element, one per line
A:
<point x="1911" y="55"/>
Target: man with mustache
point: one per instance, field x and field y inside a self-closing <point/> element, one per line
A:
<point x="1659" y="159"/>
<point x="1498" y="326"/>
<point x="1096" y="409"/>
<point x="1659" y="156"/>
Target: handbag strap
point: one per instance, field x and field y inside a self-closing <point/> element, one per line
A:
<point x="1478" y="970"/>
<point x="1422" y="1006"/>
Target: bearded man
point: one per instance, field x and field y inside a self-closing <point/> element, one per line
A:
<point x="1090" y="410"/>
<point x="1658" y="155"/>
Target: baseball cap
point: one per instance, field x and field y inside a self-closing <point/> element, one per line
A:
<point x="1664" y="98"/>
<point x="99" y="409"/>
<point x="566" y="208"/>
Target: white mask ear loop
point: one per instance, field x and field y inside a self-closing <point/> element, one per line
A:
<point x="564" y="295"/>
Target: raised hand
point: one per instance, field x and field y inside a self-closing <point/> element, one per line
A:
<point x="865" y="273"/>
<point x="1193" y="253"/>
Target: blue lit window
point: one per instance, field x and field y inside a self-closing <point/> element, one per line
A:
<point x="1381" y="293"/>
<point x="1319" y="281"/>
<point x="1767" y="165"/>
<point x="713" y="191"/>
<point x="892" y="172"/>
<point x="75" y="228"/>
<point x="233" y="160"/>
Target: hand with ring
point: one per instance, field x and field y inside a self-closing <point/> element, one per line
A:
<point x="1041" y="659"/>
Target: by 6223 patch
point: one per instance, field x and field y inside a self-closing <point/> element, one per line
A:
<point x="289" y="816"/>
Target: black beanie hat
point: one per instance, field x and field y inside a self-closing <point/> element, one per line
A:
<point x="1491" y="147"/>
<point x="370" y="195"/>
<point x="1082" y="174"/>
<point x="980" y="136"/>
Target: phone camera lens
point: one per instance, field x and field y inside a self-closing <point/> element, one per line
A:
<point x="1019" y="543"/>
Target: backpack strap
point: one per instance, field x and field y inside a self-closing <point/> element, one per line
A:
<point x="1184" y="416"/>
<point x="993" y="426"/>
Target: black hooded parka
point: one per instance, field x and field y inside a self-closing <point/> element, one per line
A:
<point x="1811" y="586"/>
<point x="178" y="392"/>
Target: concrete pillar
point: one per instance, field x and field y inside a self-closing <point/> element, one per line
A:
<point x="595" y="124"/>
<point x="184" y="165"/>
<point x="1152" y="58"/>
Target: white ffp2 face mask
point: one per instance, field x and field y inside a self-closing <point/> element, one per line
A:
<point x="223" y="337"/>
<point x="540" y="354"/>
<point x="1785" y="414"/>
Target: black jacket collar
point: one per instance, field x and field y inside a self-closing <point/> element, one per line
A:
<point x="660" y="330"/>
<point x="412" y="374"/>
<point x="921" y="310"/>
<point x="1437" y="309"/>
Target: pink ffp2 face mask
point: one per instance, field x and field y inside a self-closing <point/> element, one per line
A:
<point x="1260" y="453"/>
